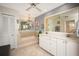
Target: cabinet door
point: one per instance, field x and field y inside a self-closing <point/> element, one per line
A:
<point x="44" y="42"/>
<point x="13" y="31"/>
<point x="61" y="47"/>
<point x="4" y="32"/>
<point x="52" y="46"/>
<point x="72" y="48"/>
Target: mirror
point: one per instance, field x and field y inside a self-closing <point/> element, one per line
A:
<point x="26" y="25"/>
<point x="64" y="22"/>
<point x="70" y="26"/>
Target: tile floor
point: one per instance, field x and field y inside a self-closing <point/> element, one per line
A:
<point x="26" y="49"/>
<point x="33" y="50"/>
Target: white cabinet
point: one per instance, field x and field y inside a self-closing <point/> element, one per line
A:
<point x="61" y="47"/>
<point x="8" y="30"/>
<point x="4" y="30"/>
<point x="44" y="42"/>
<point x="12" y="31"/>
<point x="72" y="48"/>
<point x="48" y="44"/>
<point x="52" y="46"/>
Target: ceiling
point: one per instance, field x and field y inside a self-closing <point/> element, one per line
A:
<point x="21" y="8"/>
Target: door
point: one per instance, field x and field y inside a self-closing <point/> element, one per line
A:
<point x="4" y="35"/>
<point x="61" y="47"/>
<point x="13" y="31"/>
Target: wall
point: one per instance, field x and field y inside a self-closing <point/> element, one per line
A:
<point x="56" y="10"/>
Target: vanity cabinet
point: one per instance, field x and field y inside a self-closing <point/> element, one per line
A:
<point x="48" y="44"/>
<point x="59" y="45"/>
<point x="52" y="45"/>
<point x="44" y="42"/>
